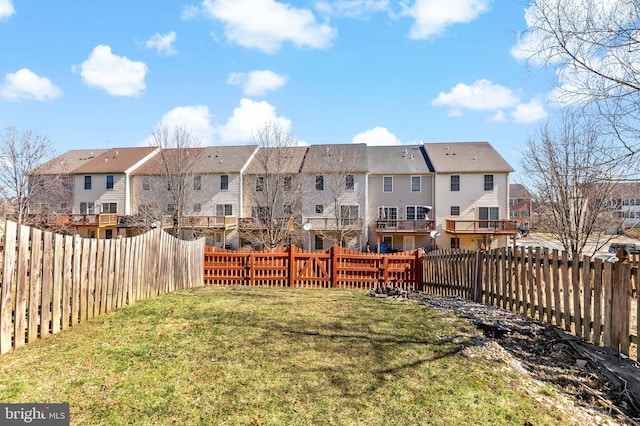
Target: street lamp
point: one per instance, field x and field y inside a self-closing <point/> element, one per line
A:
<point x="307" y="227"/>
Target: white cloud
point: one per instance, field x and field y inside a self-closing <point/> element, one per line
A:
<point x="6" y="9"/>
<point x="196" y="119"/>
<point x="117" y="75"/>
<point x="376" y="136"/>
<point x="247" y="118"/>
<point x="529" y="112"/>
<point x="499" y="117"/>
<point x="432" y="17"/>
<point x="256" y="83"/>
<point x="351" y="8"/>
<point x="189" y="12"/>
<point x="267" y="24"/>
<point x="25" y="84"/>
<point x="482" y="95"/>
<point x="163" y="43"/>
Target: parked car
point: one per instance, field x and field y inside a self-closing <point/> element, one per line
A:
<point x="629" y="247"/>
<point x="606" y="257"/>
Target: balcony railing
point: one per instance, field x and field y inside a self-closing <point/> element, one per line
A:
<point x="415" y="226"/>
<point x="481" y="226"/>
<point x="219" y="222"/>
<point x="104" y="219"/>
<point x="327" y="223"/>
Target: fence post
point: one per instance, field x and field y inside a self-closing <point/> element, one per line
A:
<point x="477" y="282"/>
<point x="292" y="264"/>
<point x="419" y="264"/>
<point x="334" y="265"/>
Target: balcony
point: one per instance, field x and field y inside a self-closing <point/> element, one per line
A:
<point x="404" y="226"/>
<point x="99" y="220"/>
<point x="482" y="227"/>
<point x="210" y="222"/>
<point x="328" y="223"/>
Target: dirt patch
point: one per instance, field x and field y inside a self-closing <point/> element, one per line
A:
<point x="596" y="384"/>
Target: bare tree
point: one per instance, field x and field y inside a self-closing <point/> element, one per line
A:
<point x="174" y="164"/>
<point x="570" y="184"/>
<point x="336" y="174"/>
<point x="273" y="188"/>
<point x="595" y="47"/>
<point x="28" y="177"/>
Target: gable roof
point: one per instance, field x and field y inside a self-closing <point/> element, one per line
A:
<point x="68" y="162"/>
<point x="115" y="160"/>
<point x="336" y="158"/>
<point x="466" y="157"/>
<point x="266" y="160"/>
<point x="398" y="160"/>
<point x="174" y="157"/>
<point x="517" y="190"/>
<point x="223" y="159"/>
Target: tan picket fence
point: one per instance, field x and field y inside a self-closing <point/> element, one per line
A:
<point x="595" y="300"/>
<point x="50" y="282"/>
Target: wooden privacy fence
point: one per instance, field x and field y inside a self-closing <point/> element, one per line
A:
<point x="294" y="267"/>
<point x="595" y="300"/>
<point x="51" y="282"/>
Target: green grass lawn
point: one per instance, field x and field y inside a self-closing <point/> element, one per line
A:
<point x="271" y="356"/>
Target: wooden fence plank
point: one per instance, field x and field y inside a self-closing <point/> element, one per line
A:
<point x="8" y="277"/>
<point x="67" y="280"/>
<point x="56" y="293"/>
<point x="565" y="289"/>
<point x="47" y="285"/>
<point x="20" y="307"/>
<point x="597" y="301"/>
<point x="587" y="286"/>
<point x="35" y="283"/>
<point x="76" y="282"/>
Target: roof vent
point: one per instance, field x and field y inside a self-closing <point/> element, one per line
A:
<point x="106" y="159"/>
<point x="475" y="158"/>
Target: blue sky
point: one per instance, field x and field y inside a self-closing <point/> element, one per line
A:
<point x="91" y="74"/>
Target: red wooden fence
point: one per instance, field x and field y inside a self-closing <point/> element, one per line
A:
<point x="294" y="267"/>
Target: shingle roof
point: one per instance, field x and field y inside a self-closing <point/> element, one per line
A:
<point x="517" y="190"/>
<point x="290" y="159"/>
<point x="223" y="159"/>
<point x="173" y="157"/>
<point x="336" y="158"/>
<point x="465" y="157"/>
<point x="397" y="160"/>
<point x="115" y="160"/>
<point x="69" y="161"/>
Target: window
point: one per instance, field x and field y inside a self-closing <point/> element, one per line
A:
<point x="514" y="201"/>
<point x="349" y="182"/>
<point x="87" y="182"/>
<point x="224" y="182"/>
<point x="145" y="183"/>
<point x="224" y="210"/>
<point x="387" y="184"/>
<point x="417" y="212"/>
<point x="455" y="182"/>
<point x="197" y="183"/>
<point x="388" y="213"/>
<point x="64" y="207"/>
<point x="349" y="214"/>
<point x="416" y="184"/>
<point x="260" y="212"/>
<point x="109" y="181"/>
<point x="42" y="181"/>
<point x="455" y="210"/>
<point x="455" y="243"/>
<point x="319" y="183"/>
<point x="318" y="242"/>
<point x="514" y="213"/>
<point x="259" y="183"/>
<point x="525" y="213"/>
<point x="197" y="208"/>
<point x="171" y="208"/>
<point x="109" y="207"/>
<point x="287" y="209"/>
<point x="108" y="234"/>
<point x="488" y="182"/>
<point x="67" y="184"/>
<point x="87" y="208"/>
<point x="319" y="208"/>
<point x="486" y="215"/>
<point x="286" y="183"/>
<point x="388" y="241"/>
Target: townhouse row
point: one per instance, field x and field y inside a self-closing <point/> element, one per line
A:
<point x="387" y="198"/>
